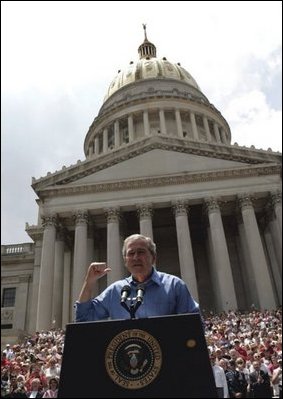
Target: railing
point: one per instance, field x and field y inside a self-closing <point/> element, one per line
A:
<point x="17" y="249"/>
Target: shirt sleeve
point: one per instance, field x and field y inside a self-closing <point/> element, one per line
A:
<point x="95" y="309"/>
<point x="185" y="302"/>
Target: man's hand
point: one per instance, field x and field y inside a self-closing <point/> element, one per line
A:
<point x="95" y="271"/>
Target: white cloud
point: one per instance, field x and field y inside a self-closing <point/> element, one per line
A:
<point x="254" y="122"/>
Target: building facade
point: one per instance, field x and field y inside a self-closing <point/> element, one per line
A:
<point x="158" y="160"/>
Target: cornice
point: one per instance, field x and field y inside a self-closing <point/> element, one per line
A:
<point x="35" y="232"/>
<point x="184" y="178"/>
<point x="211" y="150"/>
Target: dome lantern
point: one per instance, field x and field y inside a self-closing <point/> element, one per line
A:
<point x="146" y="50"/>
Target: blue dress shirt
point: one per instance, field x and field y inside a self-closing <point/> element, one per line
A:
<point x="164" y="294"/>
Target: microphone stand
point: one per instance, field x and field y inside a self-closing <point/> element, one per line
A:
<point x="133" y="307"/>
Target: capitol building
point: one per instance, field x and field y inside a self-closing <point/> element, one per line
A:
<point x="159" y="160"/>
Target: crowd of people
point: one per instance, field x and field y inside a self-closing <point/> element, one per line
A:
<point x="245" y="350"/>
<point x="244" y="347"/>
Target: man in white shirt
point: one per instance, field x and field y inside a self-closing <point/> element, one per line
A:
<point x="220" y="378"/>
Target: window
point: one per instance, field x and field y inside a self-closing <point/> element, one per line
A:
<point x="8" y="298"/>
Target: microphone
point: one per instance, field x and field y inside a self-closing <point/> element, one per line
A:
<point x="140" y="293"/>
<point x="125" y="292"/>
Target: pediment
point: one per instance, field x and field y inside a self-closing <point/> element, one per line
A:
<point x="157" y="163"/>
<point x="155" y="157"/>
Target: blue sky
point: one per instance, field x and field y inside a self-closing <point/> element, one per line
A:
<point x="58" y="59"/>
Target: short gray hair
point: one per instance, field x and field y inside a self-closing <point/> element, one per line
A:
<point x="134" y="237"/>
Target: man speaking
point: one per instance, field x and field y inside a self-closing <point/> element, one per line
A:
<point x="155" y="293"/>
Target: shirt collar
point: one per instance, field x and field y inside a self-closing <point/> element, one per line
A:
<point x="155" y="278"/>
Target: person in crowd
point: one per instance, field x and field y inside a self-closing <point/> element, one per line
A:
<point x="53" y="370"/>
<point x="259" y="382"/>
<point x="240" y="366"/>
<point x="219" y="377"/>
<point x="36" y="373"/>
<point x="4" y="361"/>
<point x="36" y="390"/>
<point x="164" y="293"/>
<point x="276" y="380"/>
<point x="52" y="391"/>
<point x="16" y="390"/>
<point x="236" y="380"/>
<point x="240" y="349"/>
<point x="9" y="352"/>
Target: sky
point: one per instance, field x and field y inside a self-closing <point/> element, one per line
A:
<point x="59" y="58"/>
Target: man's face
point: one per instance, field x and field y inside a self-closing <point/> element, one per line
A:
<point x="139" y="259"/>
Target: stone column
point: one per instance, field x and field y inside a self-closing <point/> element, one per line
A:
<point x="114" y="250"/>
<point x="58" y="281"/>
<point x="163" y="129"/>
<point x="145" y="212"/>
<point x="216" y="132"/>
<point x="80" y="252"/>
<point x="247" y="271"/>
<point x="146" y="123"/>
<point x="179" y="123"/>
<point x="117" y="134"/>
<point x="223" y="136"/>
<point x="90" y="150"/>
<point x="276" y="198"/>
<point x="96" y="146"/>
<point x="21" y="303"/>
<point x="206" y="128"/>
<point x="257" y="256"/>
<point x="91" y="257"/>
<point x="276" y="269"/>
<point x="131" y="128"/>
<point x="274" y="230"/>
<point x="186" y="257"/>
<point x="194" y="126"/>
<point x="35" y="283"/>
<point x="222" y="274"/>
<point x="67" y="300"/>
<point x="105" y="140"/>
<point x="45" y="294"/>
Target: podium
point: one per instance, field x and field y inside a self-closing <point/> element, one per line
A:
<point x="156" y="357"/>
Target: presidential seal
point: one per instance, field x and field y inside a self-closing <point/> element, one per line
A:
<point x="133" y="359"/>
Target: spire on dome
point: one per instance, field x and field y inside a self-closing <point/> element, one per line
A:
<point x="144" y="28"/>
<point x="146" y="50"/>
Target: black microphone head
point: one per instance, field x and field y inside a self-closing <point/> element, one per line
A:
<point x="126" y="288"/>
<point x="141" y="287"/>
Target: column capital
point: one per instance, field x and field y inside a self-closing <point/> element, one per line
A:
<point x="112" y="215"/>
<point x="81" y="217"/>
<point x="145" y="211"/>
<point x="49" y="220"/>
<point x="180" y="207"/>
<point x="276" y="197"/>
<point x="212" y="204"/>
<point x="245" y="201"/>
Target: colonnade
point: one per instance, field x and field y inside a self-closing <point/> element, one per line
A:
<point x="62" y="268"/>
<point x="186" y="124"/>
